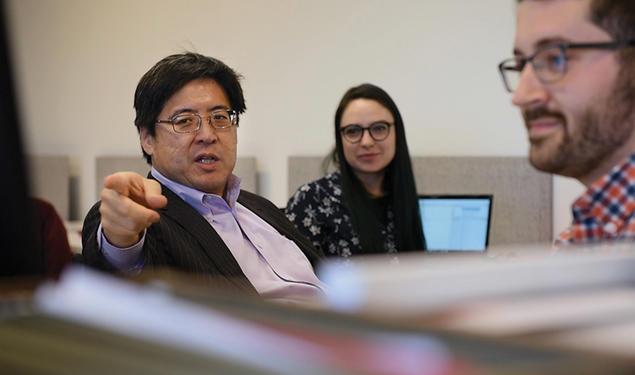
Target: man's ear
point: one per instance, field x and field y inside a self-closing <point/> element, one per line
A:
<point x="147" y="140"/>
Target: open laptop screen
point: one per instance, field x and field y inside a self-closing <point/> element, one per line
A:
<point x="456" y="222"/>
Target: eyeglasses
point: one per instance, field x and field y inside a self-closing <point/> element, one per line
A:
<point x="378" y="131"/>
<point x="191" y="122"/>
<point x="549" y="63"/>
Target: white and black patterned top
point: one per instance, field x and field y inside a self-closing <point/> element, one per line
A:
<point x="317" y="210"/>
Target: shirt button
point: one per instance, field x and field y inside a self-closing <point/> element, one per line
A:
<point x="610" y="227"/>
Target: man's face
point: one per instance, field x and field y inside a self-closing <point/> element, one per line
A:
<point x="203" y="160"/>
<point x="579" y="124"/>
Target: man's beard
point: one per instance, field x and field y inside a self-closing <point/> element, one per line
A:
<point x="601" y="130"/>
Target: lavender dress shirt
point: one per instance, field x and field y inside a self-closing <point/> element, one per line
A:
<point x="273" y="264"/>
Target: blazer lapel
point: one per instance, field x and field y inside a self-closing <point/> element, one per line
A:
<point x="272" y="215"/>
<point x="196" y="226"/>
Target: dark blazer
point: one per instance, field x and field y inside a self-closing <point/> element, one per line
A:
<point x="184" y="240"/>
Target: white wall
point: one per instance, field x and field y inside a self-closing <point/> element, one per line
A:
<point x="78" y="63"/>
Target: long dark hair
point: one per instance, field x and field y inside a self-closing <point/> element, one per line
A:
<point x="398" y="181"/>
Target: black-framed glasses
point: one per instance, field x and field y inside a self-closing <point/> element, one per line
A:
<point x="378" y="131"/>
<point x="191" y="122"/>
<point x="549" y="62"/>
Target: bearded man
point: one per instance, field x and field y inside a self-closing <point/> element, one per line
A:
<point x="573" y="78"/>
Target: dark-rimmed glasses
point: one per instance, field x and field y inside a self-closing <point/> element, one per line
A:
<point x="549" y="62"/>
<point x="191" y="122"/>
<point x="378" y="131"/>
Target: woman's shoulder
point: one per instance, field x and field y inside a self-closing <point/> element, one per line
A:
<point x="330" y="181"/>
<point x="329" y="184"/>
<point x="325" y="187"/>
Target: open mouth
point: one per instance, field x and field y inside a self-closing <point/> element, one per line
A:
<point x="206" y="159"/>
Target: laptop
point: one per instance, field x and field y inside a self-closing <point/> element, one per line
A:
<point x="456" y="222"/>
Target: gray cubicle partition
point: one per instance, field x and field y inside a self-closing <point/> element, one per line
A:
<point x="522" y="210"/>
<point x="105" y="165"/>
<point x="50" y="179"/>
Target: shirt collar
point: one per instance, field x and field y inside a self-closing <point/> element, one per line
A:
<point x="196" y="198"/>
<point x="597" y="200"/>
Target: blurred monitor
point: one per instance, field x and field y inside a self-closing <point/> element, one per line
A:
<point x="456" y="222"/>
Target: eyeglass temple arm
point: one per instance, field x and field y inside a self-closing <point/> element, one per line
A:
<point x="603" y="45"/>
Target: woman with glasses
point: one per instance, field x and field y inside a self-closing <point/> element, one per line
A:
<point x="369" y="204"/>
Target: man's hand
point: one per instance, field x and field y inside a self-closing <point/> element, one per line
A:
<point x="128" y="204"/>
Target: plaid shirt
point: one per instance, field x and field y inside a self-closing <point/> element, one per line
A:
<point x="605" y="211"/>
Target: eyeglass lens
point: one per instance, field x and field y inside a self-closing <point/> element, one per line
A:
<point x="549" y="64"/>
<point x="378" y="131"/>
<point x="191" y="122"/>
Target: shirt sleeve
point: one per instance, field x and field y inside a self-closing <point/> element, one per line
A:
<point x="129" y="260"/>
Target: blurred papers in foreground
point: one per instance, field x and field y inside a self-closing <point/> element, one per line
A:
<point x="154" y="315"/>
<point x="579" y="298"/>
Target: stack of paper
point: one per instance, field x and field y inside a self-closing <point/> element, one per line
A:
<point x="581" y="298"/>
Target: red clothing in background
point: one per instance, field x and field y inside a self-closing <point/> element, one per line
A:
<point x="51" y="237"/>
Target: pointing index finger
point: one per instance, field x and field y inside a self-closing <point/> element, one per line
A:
<point x="141" y="190"/>
<point x="153" y="196"/>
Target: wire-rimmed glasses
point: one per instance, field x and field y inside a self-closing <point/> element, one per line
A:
<point x="190" y="122"/>
<point x="378" y="131"/>
<point x="549" y="62"/>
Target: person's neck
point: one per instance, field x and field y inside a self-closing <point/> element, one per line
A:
<point x="373" y="183"/>
<point x="608" y="163"/>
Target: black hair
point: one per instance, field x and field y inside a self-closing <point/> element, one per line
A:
<point x="170" y="74"/>
<point x="398" y="182"/>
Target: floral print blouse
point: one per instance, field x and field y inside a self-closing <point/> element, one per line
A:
<point x="317" y="210"/>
